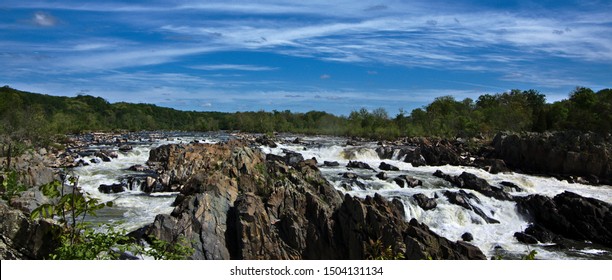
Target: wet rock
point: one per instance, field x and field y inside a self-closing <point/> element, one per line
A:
<point x="525" y="238"/>
<point x="425" y="202"/>
<point x="139" y="168"/>
<point x="359" y="165"/>
<point x="95" y="160"/>
<point x="569" y="153"/>
<point x="468" y="237"/>
<point x="407" y="181"/>
<point x="103" y="156"/>
<point x="350" y="175"/>
<point x="498" y="166"/>
<point x="382" y="176"/>
<point x="266" y="141"/>
<point x="125" y="148"/>
<point x="463" y="198"/>
<point x="238" y="203"/>
<point x="387" y="167"/>
<point x="472" y="182"/>
<point x="570" y="215"/>
<point x="510" y="187"/>
<point x="114" y="188"/>
<point x="331" y="163"/>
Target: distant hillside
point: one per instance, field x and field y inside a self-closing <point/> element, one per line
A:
<point x="25" y="115"/>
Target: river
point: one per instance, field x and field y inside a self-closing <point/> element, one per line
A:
<point x="133" y="208"/>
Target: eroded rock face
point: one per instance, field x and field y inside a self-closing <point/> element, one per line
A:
<point x="238" y="203"/>
<point x="569" y="215"/>
<point x="22" y="238"/>
<point x="567" y="153"/>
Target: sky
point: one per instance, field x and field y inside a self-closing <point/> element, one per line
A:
<point x="334" y="56"/>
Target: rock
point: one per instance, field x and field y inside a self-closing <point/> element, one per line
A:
<point x="297" y="140"/>
<point x="463" y="198"/>
<point x="359" y="165"/>
<point x="139" y="168"/>
<point x="525" y="238"/>
<point x="103" y="156"/>
<point x="498" y="166"/>
<point x="114" y="188"/>
<point x="95" y="160"/>
<point x="265" y="141"/>
<point x="472" y="182"/>
<point x="405" y="180"/>
<point x="125" y="148"/>
<point x="387" y="167"/>
<point x="350" y="175"/>
<point x="510" y="187"/>
<point x="425" y="202"/>
<point x="331" y="163"/>
<point x="540" y="233"/>
<point x="240" y="204"/>
<point x="23" y="238"/>
<point x="569" y="153"/>
<point x="570" y="215"/>
<point x="382" y="176"/>
<point x="467" y="237"/>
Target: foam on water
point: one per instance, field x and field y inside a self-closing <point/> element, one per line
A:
<point x="451" y="221"/>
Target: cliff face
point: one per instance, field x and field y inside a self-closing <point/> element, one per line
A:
<point x="565" y="153"/>
<point x="237" y="203"/>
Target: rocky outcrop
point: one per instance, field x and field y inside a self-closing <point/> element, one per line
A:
<point x="22" y="238"/>
<point x="464" y="200"/>
<point x="238" y="203"/>
<point x="426" y="151"/>
<point x="569" y="215"/>
<point x="586" y="155"/>
<point x="472" y="182"/>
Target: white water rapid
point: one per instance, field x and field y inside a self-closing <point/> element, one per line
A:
<point x="135" y="208"/>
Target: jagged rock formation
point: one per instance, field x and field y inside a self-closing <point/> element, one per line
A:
<point x="22" y="238"/>
<point x="588" y="155"/>
<point x="237" y="203"/>
<point x="569" y="215"/>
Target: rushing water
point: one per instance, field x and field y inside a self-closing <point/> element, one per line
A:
<point x="135" y="208"/>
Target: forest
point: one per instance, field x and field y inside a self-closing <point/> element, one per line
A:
<point x="34" y="118"/>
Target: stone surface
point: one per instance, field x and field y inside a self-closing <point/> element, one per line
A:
<point x="238" y="203"/>
<point x="569" y="153"/>
<point x="571" y="216"/>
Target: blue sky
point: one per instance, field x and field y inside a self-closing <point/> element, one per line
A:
<point x="335" y="56"/>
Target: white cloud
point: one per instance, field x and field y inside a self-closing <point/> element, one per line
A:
<point x="44" y="19"/>
<point x="238" y="67"/>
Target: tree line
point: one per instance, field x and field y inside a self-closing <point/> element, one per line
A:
<point x="36" y="117"/>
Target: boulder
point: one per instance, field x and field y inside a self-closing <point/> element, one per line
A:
<point x="113" y="188"/>
<point x="358" y="165"/>
<point x="407" y="181"/>
<point x="387" y="167"/>
<point x="425" y="202"/>
<point x="525" y="238"/>
<point x="467" y="237"/>
<point x="331" y="163"/>
<point x="570" y="215"/>
<point x="463" y="199"/>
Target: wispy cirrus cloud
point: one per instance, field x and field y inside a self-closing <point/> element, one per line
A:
<point x="237" y="67"/>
